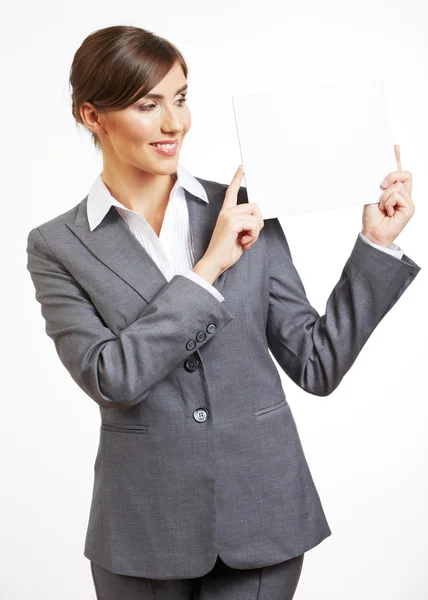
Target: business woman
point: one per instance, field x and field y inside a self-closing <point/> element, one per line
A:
<point x="163" y="294"/>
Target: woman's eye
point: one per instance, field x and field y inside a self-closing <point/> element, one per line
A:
<point x="149" y="107"/>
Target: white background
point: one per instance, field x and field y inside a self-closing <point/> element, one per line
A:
<point x="367" y="443"/>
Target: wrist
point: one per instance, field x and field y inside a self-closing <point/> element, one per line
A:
<point x="384" y="242"/>
<point x="206" y="270"/>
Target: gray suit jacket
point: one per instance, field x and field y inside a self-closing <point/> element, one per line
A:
<point x="173" y="485"/>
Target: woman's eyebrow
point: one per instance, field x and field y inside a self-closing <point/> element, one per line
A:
<point x="160" y="97"/>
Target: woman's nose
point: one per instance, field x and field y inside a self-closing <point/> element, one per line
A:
<point x="171" y="121"/>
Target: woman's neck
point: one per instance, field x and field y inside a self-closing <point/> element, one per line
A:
<point x="144" y="193"/>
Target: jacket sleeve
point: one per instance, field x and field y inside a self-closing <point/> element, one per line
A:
<point x="317" y="351"/>
<point x="118" y="371"/>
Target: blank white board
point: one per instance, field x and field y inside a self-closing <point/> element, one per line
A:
<point x="315" y="147"/>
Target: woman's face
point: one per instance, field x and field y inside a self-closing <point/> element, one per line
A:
<point x="126" y="135"/>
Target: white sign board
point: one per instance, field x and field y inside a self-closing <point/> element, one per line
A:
<point x="315" y="148"/>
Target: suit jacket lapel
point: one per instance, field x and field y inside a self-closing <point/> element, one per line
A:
<point x="115" y="245"/>
<point x="202" y="219"/>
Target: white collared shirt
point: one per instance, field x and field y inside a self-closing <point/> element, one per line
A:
<point x="172" y="250"/>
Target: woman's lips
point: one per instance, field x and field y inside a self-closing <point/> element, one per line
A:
<point x="166" y="151"/>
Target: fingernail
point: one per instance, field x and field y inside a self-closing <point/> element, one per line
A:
<point x="385" y="181"/>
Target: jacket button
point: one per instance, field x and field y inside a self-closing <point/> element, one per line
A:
<point x="211" y="328"/>
<point x="200" y="336"/>
<point x="200" y="415"/>
<point x="191" y="364"/>
<point x="191" y="345"/>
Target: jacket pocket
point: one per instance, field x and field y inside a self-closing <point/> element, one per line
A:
<point x="268" y="409"/>
<point x="121" y="428"/>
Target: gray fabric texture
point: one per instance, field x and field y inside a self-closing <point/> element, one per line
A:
<point x="171" y="493"/>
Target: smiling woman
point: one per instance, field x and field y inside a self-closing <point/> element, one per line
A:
<point x="129" y="91"/>
<point x="116" y="67"/>
<point x="165" y="318"/>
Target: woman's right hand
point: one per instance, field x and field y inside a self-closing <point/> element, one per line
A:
<point x="237" y="229"/>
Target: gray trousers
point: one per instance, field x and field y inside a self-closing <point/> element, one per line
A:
<point x="274" y="582"/>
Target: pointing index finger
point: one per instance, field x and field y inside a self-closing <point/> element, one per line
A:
<point x="397" y="156"/>
<point x="230" y="198"/>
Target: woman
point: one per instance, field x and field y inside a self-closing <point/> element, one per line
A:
<point x="163" y="294"/>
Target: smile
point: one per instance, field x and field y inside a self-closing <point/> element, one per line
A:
<point x="165" y="149"/>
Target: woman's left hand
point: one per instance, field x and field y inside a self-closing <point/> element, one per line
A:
<point x="384" y="221"/>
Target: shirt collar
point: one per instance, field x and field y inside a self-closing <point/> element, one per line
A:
<point x="100" y="200"/>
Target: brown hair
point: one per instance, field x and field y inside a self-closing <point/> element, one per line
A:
<point x="115" y="66"/>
